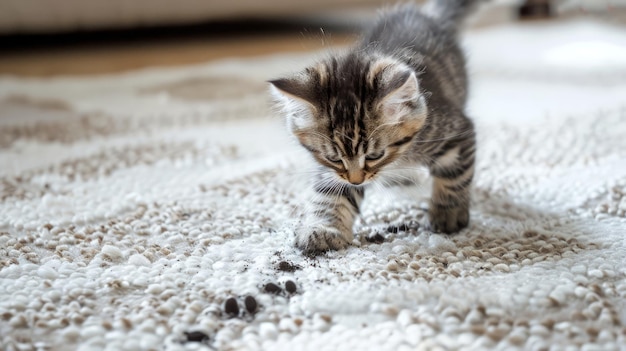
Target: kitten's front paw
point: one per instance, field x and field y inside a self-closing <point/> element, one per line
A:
<point x="448" y="219"/>
<point x="317" y="239"/>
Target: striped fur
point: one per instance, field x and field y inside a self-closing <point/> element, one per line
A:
<point x="396" y="100"/>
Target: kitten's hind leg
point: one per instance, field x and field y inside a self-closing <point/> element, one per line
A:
<point x="452" y="173"/>
<point x="328" y="225"/>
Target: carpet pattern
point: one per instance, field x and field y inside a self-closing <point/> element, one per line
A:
<point x="154" y="210"/>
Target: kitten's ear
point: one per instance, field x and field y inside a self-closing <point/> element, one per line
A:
<point x="295" y="96"/>
<point x="402" y="101"/>
<point x="296" y="88"/>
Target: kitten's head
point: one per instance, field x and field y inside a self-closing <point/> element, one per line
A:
<point x="356" y="114"/>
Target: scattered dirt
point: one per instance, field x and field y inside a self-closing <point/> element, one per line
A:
<point x="196" y="336"/>
<point x="378" y="239"/>
<point x="400" y="228"/>
<point x="251" y="304"/>
<point x="231" y="307"/>
<point x="287" y="266"/>
<point x="290" y="287"/>
<point x="272" y="288"/>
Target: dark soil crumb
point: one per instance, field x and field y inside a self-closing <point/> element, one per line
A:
<point x="251" y="304"/>
<point x="287" y="266"/>
<point x="290" y="286"/>
<point x="231" y="307"/>
<point x="326" y="318"/>
<point x="375" y="239"/>
<point x="272" y="288"/>
<point x="401" y="228"/>
<point x="196" y="336"/>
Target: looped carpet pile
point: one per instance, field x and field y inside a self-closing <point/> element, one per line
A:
<point x="154" y="210"/>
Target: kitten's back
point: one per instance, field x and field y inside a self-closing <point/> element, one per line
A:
<point x="425" y="38"/>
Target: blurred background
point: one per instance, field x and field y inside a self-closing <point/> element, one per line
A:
<point x="73" y="37"/>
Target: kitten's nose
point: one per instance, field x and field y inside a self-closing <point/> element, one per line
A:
<point x="357" y="177"/>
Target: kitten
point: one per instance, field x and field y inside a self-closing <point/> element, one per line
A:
<point x="393" y="101"/>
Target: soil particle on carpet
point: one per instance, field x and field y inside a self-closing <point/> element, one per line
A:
<point x="402" y="227"/>
<point x="287" y="266"/>
<point x="196" y="336"/>
<point x="251" y="304"/>
<point x="231" y="307"/>
<point x="272" y="288"/>
<point x="393" y="229"/>
<point x="375" y="238"/>
<point x="290" y="287"/>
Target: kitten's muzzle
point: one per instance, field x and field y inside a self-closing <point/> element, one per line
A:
<point x="356" y="177"/>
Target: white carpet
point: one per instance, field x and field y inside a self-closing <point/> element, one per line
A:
<point x="133" y="206"/>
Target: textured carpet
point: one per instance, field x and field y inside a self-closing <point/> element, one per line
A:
<point x="155" y="210"/>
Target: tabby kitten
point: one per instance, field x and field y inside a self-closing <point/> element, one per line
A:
<point x="393" y="101"/>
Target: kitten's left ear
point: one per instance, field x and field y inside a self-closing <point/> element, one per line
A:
<point x="402" y="101"/>
<point x="297" y="88"/>
<point x="296" y="97"/>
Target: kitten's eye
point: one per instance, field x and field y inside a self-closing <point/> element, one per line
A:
<point x="375" y="156"/>
<point x="333" y="158"/>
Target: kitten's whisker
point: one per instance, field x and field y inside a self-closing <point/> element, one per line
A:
<point x="461" y="134"/>
<point x="304" y="172"/>
<point x="331" y="194"/>
<point x="396" y="176"/>
<point x="383" y="190"/>
<point x="321" y="136"/>
<point x="372" y="134"/>
<point x="342" y="134"/>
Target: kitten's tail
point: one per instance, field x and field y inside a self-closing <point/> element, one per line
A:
<point x="450" y="13"/>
